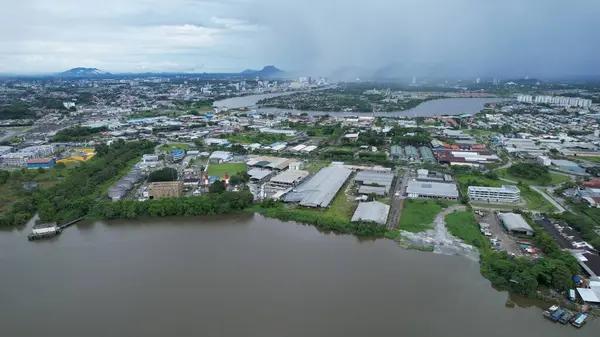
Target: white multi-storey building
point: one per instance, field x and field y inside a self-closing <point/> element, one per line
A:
<point x="557" y="100"/>
<point x="508" y="194"/>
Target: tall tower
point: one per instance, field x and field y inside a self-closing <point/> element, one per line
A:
<point x="414" y="80"/>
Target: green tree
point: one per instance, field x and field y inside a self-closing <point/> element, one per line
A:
<point x="217" y="187"/>
<point x="164" y="174"/>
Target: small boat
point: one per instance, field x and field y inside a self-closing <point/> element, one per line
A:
<point x="579" y="320"/>
<point x="566" y="317"/>
<point x="555" y="316"/>
<point x="548" y="313"/>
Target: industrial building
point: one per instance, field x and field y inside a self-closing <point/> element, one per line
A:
<point x="466" y="158"/>
<point x="178" y="155"/>
<point x="431" y="190"/>
<point x="507" y="194"/>
<point x="379" y="191"/>
<point x="381" y="180"/>
<point x="567" y="165"/>
<point x="218" y="157"/>
<point x="515" y="224"/>
<point x="120" y="189"/>
<point x="426" y="175"/>
<point x="165" y="189"/>
<point x="426" y="155"/>
<point x="258" y="176"/>
<point x="411" y="153"/>
<point x="40" y="163"/>
<point x="321" y="188"/>
<point x="21" y="157"/>
<point x="396" y="152"/>
<point x="270" y="163"/>
<point x="287" y="179"/>
<point x="5" y="149"/>
<point x="373" y="211"/>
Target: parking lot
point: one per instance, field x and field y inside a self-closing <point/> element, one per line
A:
<point x="507" y="242"/>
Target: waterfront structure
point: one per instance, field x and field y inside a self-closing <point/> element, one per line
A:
<point x="165" y="189"/>
<point x="508" y="194"/>
<point x="320" y="189"/>
<point x="220" y="157"/>
<point x="515" y="224"/>
<point x="40" y="163"/>
<point x="373" y="211"/>
<point x="431" y="190"/>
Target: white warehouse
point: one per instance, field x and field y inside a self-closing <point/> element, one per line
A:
<point x="507" y="194"/>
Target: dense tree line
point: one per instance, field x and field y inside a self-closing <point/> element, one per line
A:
<point x="16" y="111"/>
<point x="530" y="171"/>
<point x="365" y="229"/>
<point x="200" y="205"/>
<point x="77" y="133"/>
<point x="80" y="191"/>
<point x="164" y="174"/>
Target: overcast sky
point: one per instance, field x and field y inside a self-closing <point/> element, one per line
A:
<point x="470" y="37"/>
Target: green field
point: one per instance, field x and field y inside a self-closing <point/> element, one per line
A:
<point x="464" y="226"/>
<point x="316" y="167"/>
<point x="535" y="201"/>
<point x="556" y="178"/>
<point x="219" y="170"/>
<point x="175" y="146"/>
<point x="418" y="215"/>
<point x="593" y="159"/>
<point x="257" y="137"/>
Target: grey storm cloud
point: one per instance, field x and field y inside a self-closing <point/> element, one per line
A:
<point x="394" y="37"/>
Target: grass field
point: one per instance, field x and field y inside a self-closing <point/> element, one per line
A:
<point x="556" y="178"/>
<point x="175" y="146"/>
<point x="464" y="226"/>
<point x="219" y="170"/>
<point x="315" y="167"/>
<point x="257" y="137"/>
<point x="534" y="200"/>
<point x="593" y="159"/>
<point x="418" y="215"/>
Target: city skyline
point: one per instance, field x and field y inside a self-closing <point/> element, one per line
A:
<point x="406" y="37"/>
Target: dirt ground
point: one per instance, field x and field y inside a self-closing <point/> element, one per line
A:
<point x="507" y="241"/>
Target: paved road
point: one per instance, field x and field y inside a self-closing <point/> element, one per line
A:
<point x="558" y="206"/>
<point x="397" y="202"/>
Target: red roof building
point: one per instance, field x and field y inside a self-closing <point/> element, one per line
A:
<point x="594" y="183"/>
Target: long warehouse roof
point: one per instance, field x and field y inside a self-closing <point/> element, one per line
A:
<point x="320" y="190"/>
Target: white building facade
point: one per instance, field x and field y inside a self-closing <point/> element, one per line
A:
<point x="507" y="194"/>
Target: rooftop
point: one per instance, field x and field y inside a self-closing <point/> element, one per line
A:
<point x="515" y="222"/>
<point x="432" y="189"/>
<point x="371" y="211"/>
<point x="320" y="190"/>
<point x="289" y="177"/>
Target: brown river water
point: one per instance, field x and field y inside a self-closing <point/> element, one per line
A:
<point x="244" y="275"/>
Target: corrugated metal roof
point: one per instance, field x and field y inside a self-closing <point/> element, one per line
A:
<point x="365" y="189"/>
<point x="371" y="177"/>
<point x="371" y="211"/>
<point x="515" y="222"/>
<point x="320" y="190"/>
<point x="432" y="189"/>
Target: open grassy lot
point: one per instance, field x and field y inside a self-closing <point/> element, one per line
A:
<point x="418" y="215"/>
<point x="593" y="159"/>
<point x="556" y="178"/>
<point x="257" y="137"/>
<point x="12" y="190"/>
<point x="175" y="146"/>
<point x="219" y="170"/>
<point x="317" y="166"/>
<point x="464" y="226"/>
